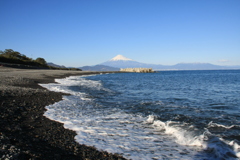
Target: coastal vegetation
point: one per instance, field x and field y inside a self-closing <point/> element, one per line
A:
<point x="10" y="56"/>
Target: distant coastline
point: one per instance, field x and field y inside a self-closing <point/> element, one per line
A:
<point x="138" y="70"/>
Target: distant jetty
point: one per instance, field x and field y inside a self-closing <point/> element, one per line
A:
<point x="139" y="70"/>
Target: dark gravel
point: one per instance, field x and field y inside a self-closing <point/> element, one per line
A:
<point x="25" y="133"/>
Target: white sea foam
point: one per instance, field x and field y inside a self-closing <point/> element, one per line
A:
<point x="134" y="136"/>
<point x="183" y="136"/>
<point x="211" y="124"/>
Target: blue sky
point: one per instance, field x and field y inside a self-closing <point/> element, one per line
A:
<point x="88" y="32"/>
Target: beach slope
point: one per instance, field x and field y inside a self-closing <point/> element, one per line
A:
<point x="24" y="132"/>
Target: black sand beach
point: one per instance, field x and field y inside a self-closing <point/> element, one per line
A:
<point x="24" y="132"/>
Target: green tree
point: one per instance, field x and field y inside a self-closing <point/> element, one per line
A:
<point x="9" y="53"/>
<point x="41" y="61"/>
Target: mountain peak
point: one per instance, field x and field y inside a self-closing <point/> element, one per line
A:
<point x="120" y="58"/>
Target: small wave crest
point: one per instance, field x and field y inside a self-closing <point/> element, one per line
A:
<point x="211" y="124"/>
<point x="179" y="130"/>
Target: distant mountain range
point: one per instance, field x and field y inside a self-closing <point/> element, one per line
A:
<point x="120" y="61"/>
<point x="99" y="68"/>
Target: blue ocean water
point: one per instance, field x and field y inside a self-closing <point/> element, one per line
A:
<point x="165" y="115"/>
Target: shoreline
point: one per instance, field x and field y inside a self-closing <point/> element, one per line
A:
<point x="24" y="132"/>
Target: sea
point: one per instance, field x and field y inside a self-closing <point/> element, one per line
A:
<point x="186" y="115"/>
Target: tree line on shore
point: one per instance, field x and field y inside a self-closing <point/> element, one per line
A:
<point x="14" y="57"/>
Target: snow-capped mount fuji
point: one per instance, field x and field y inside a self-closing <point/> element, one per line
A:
<point x="120" y="58"/>
<point x="123" y="62"/>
